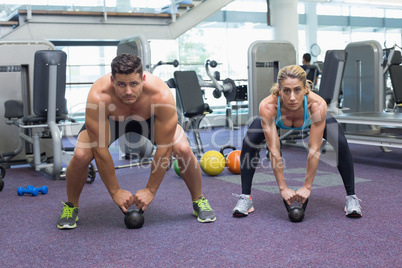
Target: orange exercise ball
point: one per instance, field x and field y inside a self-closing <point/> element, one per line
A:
<point x="212" y="163"/>
<point x="233" y="161"/>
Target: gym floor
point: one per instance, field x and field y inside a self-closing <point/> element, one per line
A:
<point x="172" y="237"/>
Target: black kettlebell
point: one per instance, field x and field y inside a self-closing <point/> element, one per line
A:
<point x="134" y="219"/>
<point x="296" y="214"/>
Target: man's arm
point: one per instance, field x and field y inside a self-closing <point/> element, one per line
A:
<point x="164" y="128"/>
<point x="97" y="124"/>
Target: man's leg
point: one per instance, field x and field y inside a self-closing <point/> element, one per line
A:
<point x="76" y="177"/>
<point x="191" y="174"/>
<point x="77" y="170"/>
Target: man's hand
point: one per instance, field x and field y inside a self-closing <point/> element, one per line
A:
<point x="143" y="198"/>
<point x="124" y="199"/>
<point x="302" y="194"/>
<point x="288" y="195"/>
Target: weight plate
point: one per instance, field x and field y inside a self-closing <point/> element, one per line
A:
<point x="231" y="94"/>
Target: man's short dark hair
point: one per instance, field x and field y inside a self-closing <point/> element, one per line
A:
<point x="126" y="63"/>
<point x="307" y="57"/>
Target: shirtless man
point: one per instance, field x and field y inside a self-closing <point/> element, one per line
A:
<point x="130" y="93"/>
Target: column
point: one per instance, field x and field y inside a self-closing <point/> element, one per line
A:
<point x="285" y="21"/>
<point x="311" y="27"/>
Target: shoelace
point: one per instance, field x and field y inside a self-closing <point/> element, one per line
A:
<point x="242" y="201"/>
<point x="354" y="201"/>
<point x="203" y="205"/>
<point x="67" y="212"/>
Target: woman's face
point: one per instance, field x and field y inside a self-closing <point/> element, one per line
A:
<point x="292" y="93"/>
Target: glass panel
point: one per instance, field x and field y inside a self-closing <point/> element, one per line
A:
<point x="393" y="13"/>
<point x="332" y="9"/>
<point x="361" y="11"/>
<point x="84" y="66"/>
<point x="247" y="5"/>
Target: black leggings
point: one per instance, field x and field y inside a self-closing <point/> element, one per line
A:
<point x="333" y="134"/>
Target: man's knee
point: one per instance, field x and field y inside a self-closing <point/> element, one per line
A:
<point x="182" y="150"/>
<point x="82" y="156"/>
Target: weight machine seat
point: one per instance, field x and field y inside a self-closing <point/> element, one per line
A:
<point x="190" y="94"/>
<point x="395" y="72"/>
<point x="332" y="76"/>
<point x="311" y="72"/>
<point x="14" y="109"/>
<point x="191" y="102"/>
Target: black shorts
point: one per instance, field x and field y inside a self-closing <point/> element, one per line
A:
<point x="119" y="128"/>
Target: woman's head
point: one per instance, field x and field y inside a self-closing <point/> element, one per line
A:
<point x="291" y="71"/>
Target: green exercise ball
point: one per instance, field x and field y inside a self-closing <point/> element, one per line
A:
<point x="176" y="167"/>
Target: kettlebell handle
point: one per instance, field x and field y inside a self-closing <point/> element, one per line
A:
<point x="305" y="204"/>
<point x="303" y="207"/>
<point x="3" y="172"/>
<point x="227" y="147"/>
<point x="139" y="211"/>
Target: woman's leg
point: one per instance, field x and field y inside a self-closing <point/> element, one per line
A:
<point x="333" y="133"/>
<point x="250" y="154"/>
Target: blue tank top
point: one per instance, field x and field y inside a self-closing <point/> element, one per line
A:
<point x="278" y="120"/>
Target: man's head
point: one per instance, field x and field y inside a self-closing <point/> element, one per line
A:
<point x="306" y="59"/>
<point x="127" y="77"/>
<point x="126" y="64"/>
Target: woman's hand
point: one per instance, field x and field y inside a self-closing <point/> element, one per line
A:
<point x="302" y="194"/>
<point x="288" y="195"/>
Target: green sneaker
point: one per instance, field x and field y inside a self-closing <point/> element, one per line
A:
<point x="69" y="217"/>
<point x="203" y="210"/>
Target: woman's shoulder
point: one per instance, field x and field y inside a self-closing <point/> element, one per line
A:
<point x="268" y="105"/>
<point x="316" y="103"/>
<point x="314" y="98"/>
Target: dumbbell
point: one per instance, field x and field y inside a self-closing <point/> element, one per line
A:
<point x="32" y="190"/>
<point x="295" y="213"/>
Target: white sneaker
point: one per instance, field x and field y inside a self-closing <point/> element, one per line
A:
<point x="244" y="206"/>
<point x="353" y="208"/>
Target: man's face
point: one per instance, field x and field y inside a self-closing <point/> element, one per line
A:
<point x="128" y="87"/>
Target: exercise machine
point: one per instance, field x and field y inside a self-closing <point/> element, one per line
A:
<point x="363" y="116"/>
<point x="49" y="115"/>
<point x="363" y="87"/>
<point x="190" y="105"/>
<point x="231" y="92"/>
<point x="265" y="58"/>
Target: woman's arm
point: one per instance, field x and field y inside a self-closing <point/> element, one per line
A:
<point x="268" y="114"/>
<point x="318" y="116"/>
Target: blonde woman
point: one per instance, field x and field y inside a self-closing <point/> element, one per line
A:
<point x="292" y="105"/>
